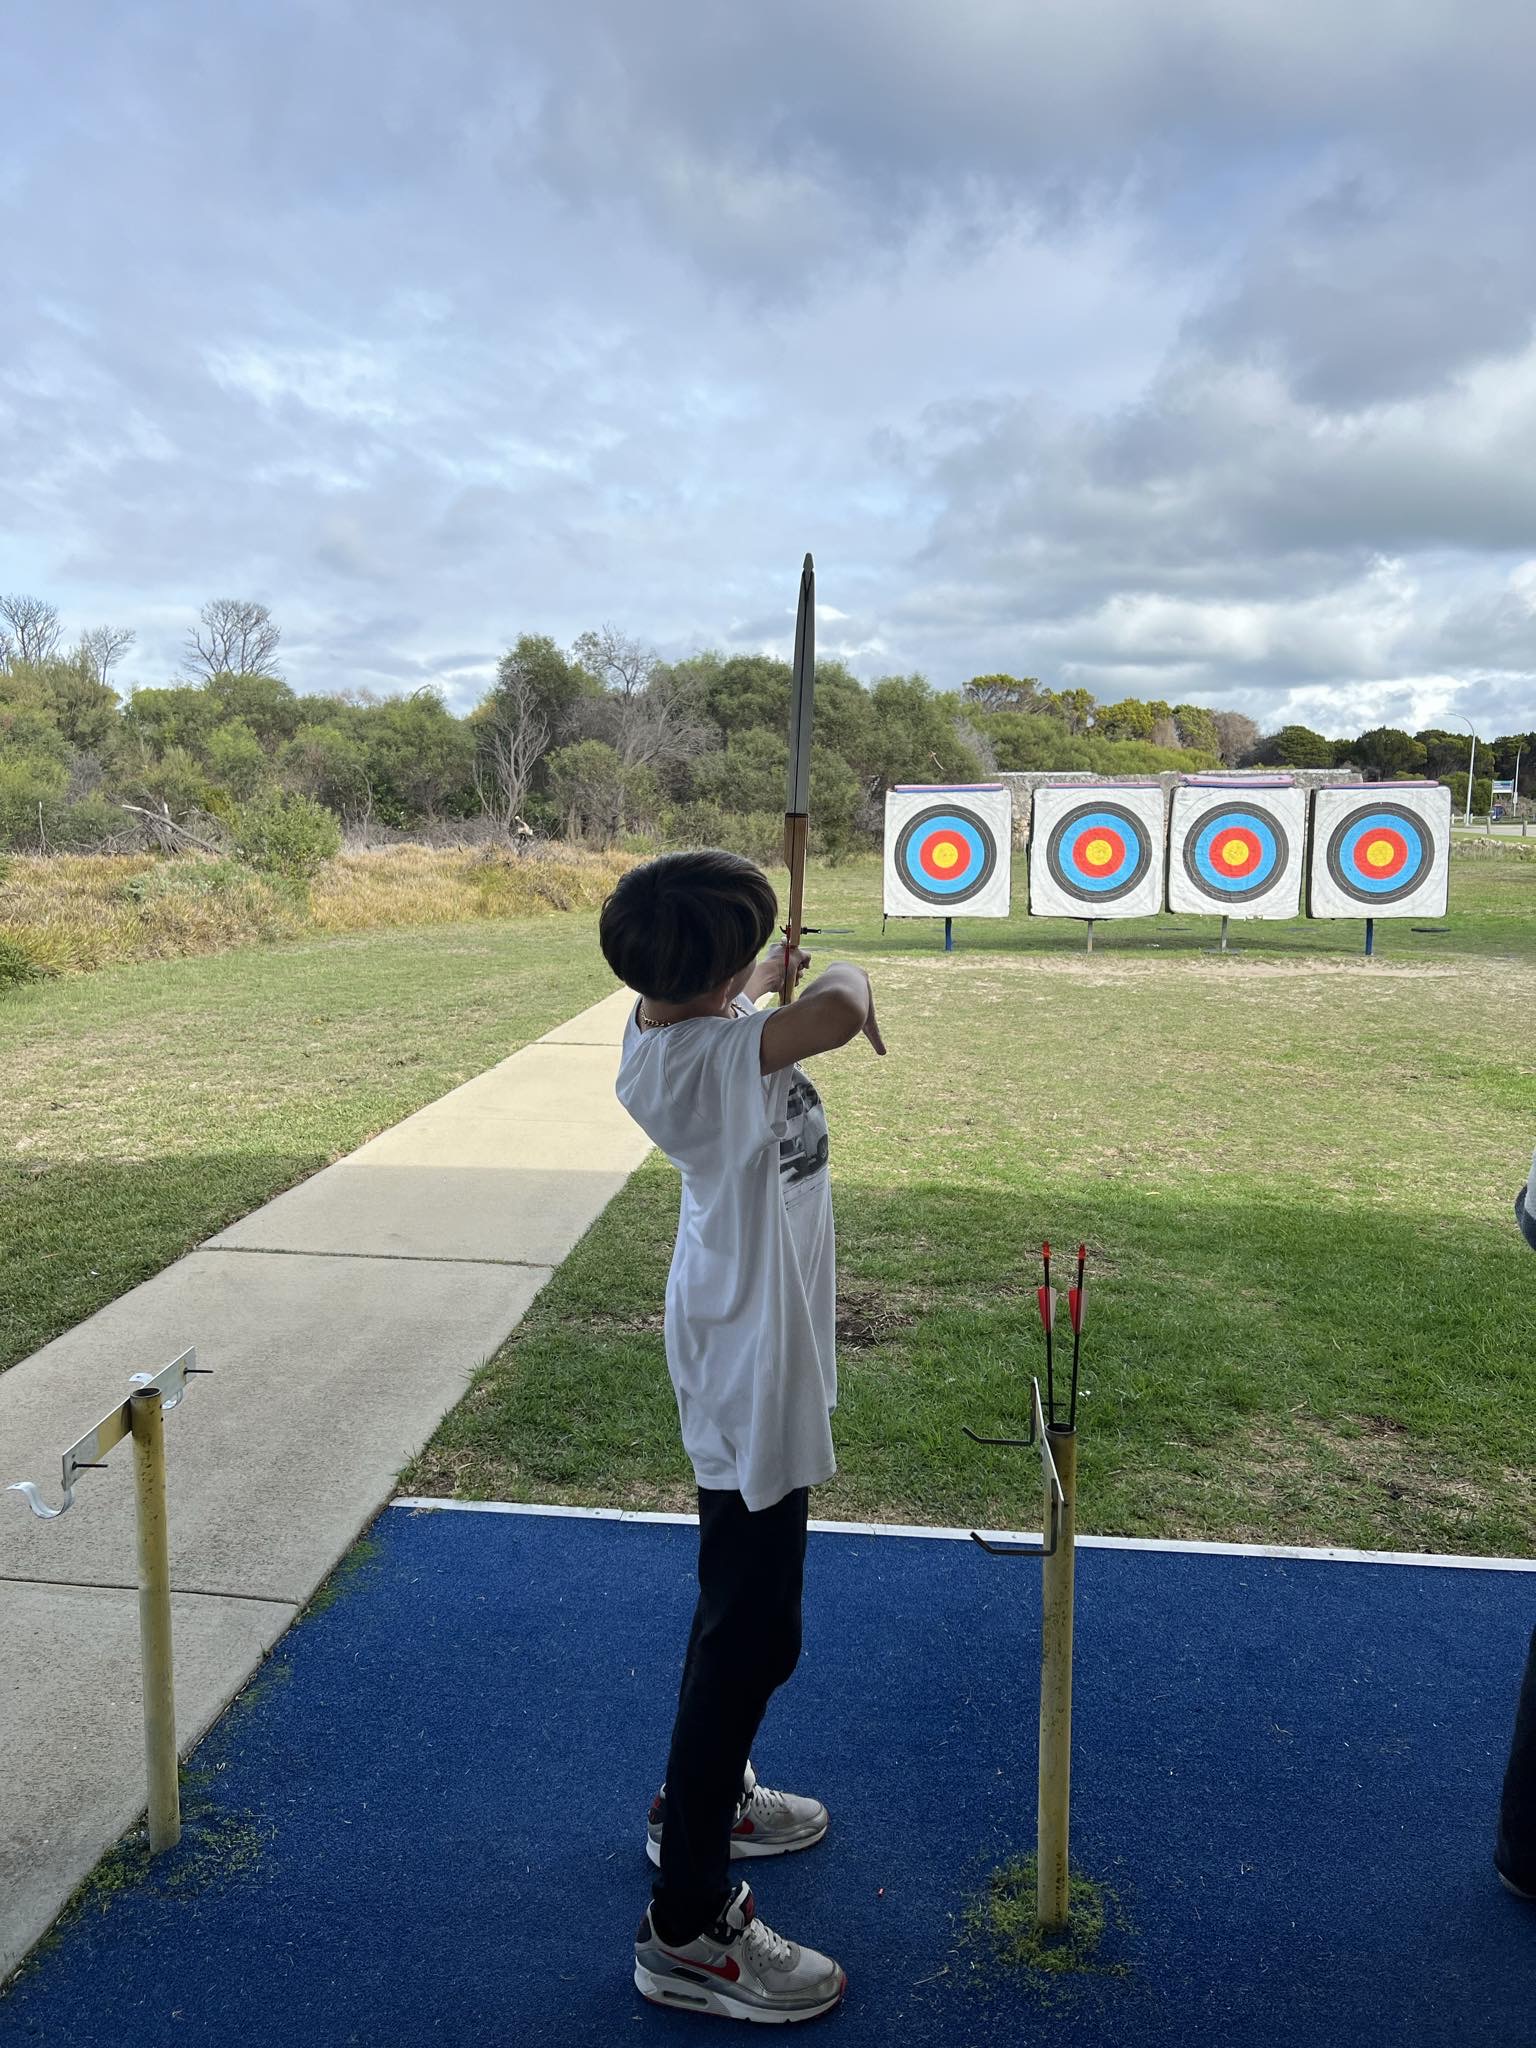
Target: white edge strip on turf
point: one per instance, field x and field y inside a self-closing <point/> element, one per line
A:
<point x="1442" y="1561"/>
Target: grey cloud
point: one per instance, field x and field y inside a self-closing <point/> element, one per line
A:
<point x="428" y="327"/>
<point x="1370" y="297"/>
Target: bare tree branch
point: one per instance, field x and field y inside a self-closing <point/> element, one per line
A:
<point x="620" y="664"/>
<point x="236" y="637"/>
<point x="34" y="624"/>
<point x="162" y="824"/>
<point x="511" y="739"/>
<point x="104" y="646"/>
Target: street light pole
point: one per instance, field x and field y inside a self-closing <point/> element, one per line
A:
<point x="1471" y="763"/>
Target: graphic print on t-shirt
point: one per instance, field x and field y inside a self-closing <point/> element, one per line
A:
<point x="803" y="1147"/>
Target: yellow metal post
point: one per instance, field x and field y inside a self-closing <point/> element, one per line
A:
<point x="148" y="1425"/>
<point x="1053" y="1812"/>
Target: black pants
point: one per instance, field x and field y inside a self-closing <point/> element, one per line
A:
<point x="1515" y="1850"/>
<point x="745" y="1642"/>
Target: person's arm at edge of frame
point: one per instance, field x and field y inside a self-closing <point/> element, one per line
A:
<point x="837" y="1006"/>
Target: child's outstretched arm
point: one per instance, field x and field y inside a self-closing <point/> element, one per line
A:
<point x="837" y="1006"/>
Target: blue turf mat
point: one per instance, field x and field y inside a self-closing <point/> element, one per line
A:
<point x="1286" y="1771"/>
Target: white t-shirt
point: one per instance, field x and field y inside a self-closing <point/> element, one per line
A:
<point x="752" y="1295"/>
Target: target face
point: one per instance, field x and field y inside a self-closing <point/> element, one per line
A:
<point x="946" y="851"/>
<point x="1237" y="854"/>
<point x="1097" y="853"/>
<point x="1383" y="855"/>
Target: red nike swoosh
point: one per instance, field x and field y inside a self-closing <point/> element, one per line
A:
<point x="730" y="1969"/>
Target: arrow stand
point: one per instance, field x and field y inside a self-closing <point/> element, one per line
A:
<point x="1057" y="1553"/>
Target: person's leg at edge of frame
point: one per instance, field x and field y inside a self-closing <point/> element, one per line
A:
<point x="1515" y="1850"/>
<point x="744" y="1644"/>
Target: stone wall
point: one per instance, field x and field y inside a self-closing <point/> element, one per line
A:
<point x="1023" y="786"/>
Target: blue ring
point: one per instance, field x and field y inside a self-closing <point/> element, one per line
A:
<point x="1341" y="854"/>
<point x="1225" y="883"/>
<point x="1126" y="828"/>
<point x="963" y="881"/>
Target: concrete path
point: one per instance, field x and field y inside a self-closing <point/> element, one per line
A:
<point x="341" y="1323"/>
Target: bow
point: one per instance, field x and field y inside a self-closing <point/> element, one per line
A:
<point x="797" y="806"/>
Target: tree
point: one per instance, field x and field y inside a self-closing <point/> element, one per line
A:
<point x="1446" y="752"/>
<point x="1295" y="746"/>
<point x="330" y="764"/>
<point x="1385" y="753"/>
<point x="619" y="663"/>
<point x="913" y="737"/>
<point x="588" y="783"/>
<point x="1130" y="719"/>
<point x="263" y="702"/>
<point x="420" y="758"/>
<point x="234" y="637"/>
<point x="512" y="736"/>
<point x="155" y="719"/>
<point x="1196" y="727"/>
<point x="237" y="760"/>
<point x="33" y="627"/>
<point x="1236" y="736"/>
<point x="103" y="647"/>
<point x="1073" y="707"/>
<point x="1003" y="693"/>
<point x="544" y="678"/>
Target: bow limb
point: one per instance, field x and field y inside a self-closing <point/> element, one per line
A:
<point x="797" y="826"/>
<point x="797" y="808"/>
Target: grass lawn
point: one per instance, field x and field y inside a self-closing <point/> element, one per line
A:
<point x="146" y="1107"/>
<point x="1312" y="1318"/>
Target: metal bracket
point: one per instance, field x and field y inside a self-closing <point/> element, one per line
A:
<point x="89" y="1454"/>
<point x="1056" y="1499"/>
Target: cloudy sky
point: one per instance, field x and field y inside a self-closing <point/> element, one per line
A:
<point x="1179" y="350"/>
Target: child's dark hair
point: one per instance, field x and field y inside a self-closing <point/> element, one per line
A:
<point x="680" y="925"/>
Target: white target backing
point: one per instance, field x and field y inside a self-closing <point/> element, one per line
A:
<point x="1237" y="849"/>
<point x="947" y="850"/>
<point x="1096" y="850"/>
<point x="1381" y="849"/>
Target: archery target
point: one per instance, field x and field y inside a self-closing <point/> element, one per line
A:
<point x="1097" y="852"/>
<point x="1382" y="851"/>
<point x="947" y="851"/>
<point x="1237" y="852"/>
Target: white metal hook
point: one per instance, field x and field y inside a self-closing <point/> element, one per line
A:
<point x="36" y="1503"/>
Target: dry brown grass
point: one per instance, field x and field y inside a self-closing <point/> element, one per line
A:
<point x="69" y="913"/>
<point x="411" y="885"/>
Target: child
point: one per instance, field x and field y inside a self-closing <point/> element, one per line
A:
<point x="750" y="1317"/>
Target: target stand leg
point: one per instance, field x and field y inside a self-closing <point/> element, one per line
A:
<point x="949" y="935"/>
<point x="1089" y="947"/>
<point x="1222" y="946"/>
<point x="1370" y="938"/>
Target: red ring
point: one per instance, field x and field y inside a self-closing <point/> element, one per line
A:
<point x="935" y="840"/>
<point x="1395" y="840"/>
<point x="1253" y="851"/>
<point x="1098" y="832"/>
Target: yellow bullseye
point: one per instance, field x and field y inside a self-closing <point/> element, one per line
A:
<point x="1234" y="853"/>
<point x="946" y="854"/>
<point x="1379" y="853"/>
<point x="1098" y="853"/>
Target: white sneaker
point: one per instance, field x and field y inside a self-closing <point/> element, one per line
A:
<point x="739" y="1970"/>
<point x="767" y="1823"/>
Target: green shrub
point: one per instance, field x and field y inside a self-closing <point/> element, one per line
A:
<point x="286" y="835"/>
<point x="175" y="876"/>
<point x="19" y="963"/>
<point x="757" y="834"/>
